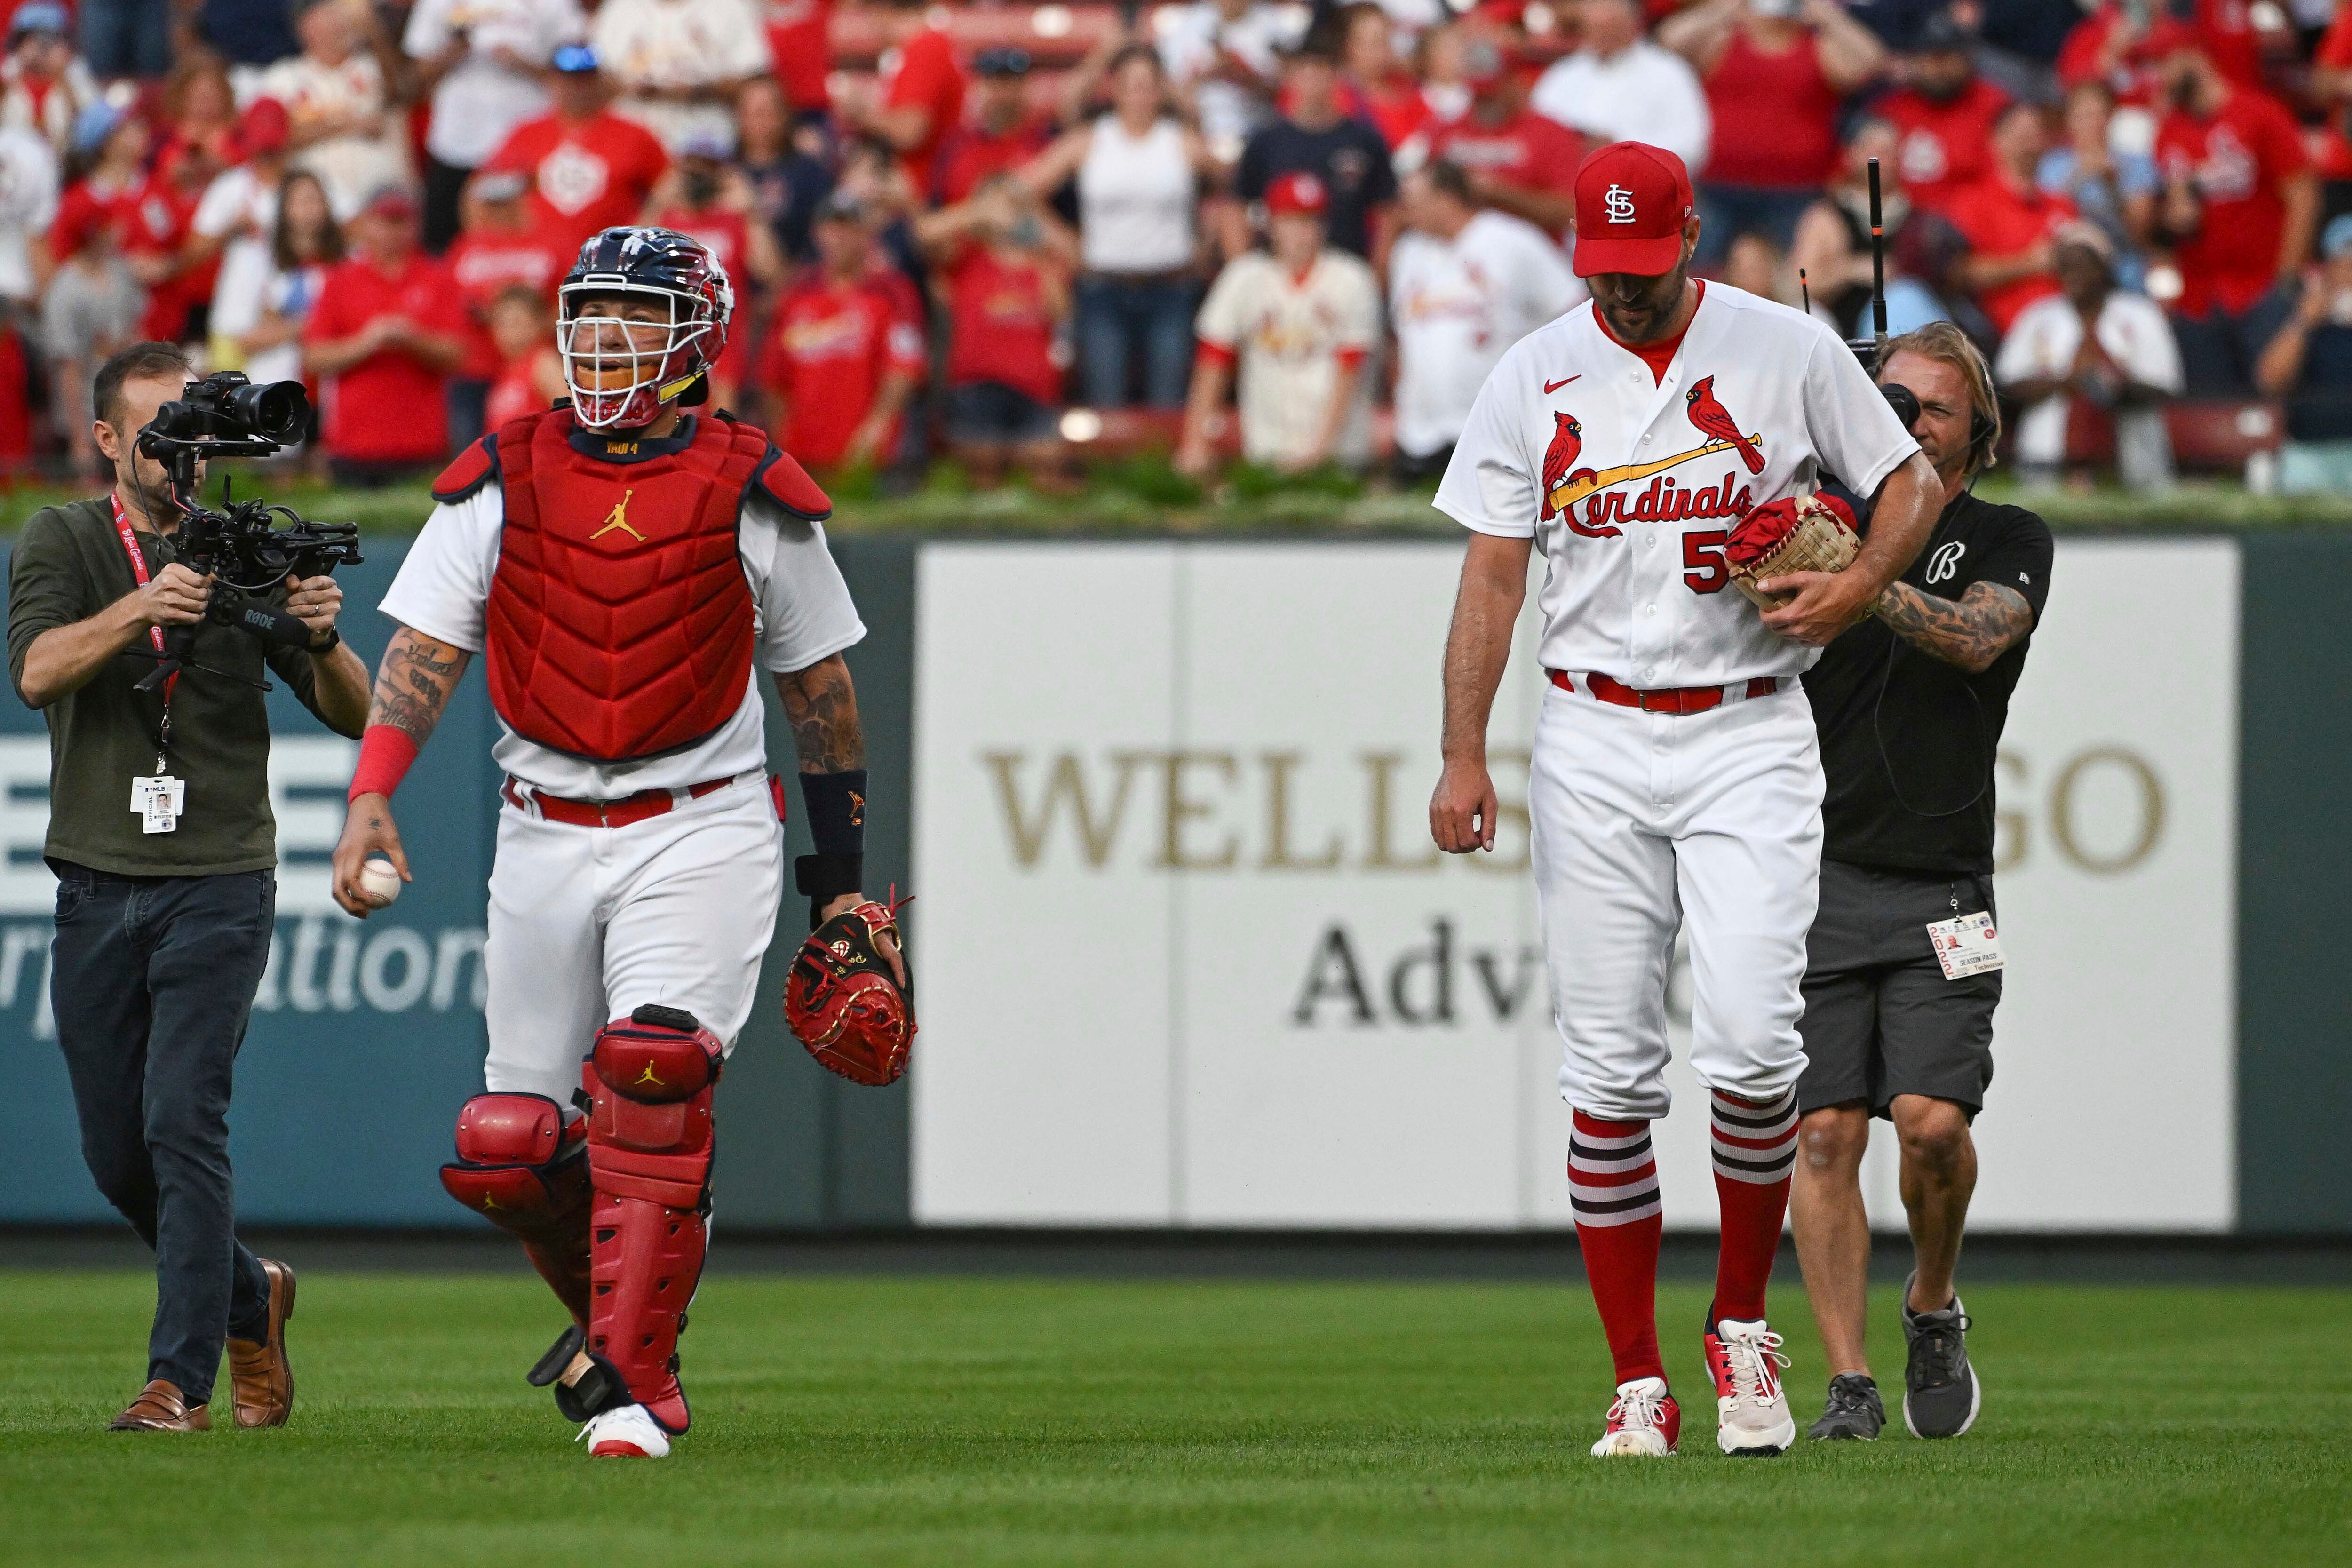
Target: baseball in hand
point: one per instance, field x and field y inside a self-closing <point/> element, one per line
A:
<point x="379" y="880"/>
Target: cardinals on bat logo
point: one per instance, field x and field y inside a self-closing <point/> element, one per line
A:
<point x="1710" y="418"/>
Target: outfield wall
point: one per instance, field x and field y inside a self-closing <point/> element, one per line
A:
<point x="1185" y="958"/>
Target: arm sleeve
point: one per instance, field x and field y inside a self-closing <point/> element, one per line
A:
<point x="2019" y="561"/>
<point x="1857" y="435"/>
<point x="1490" y="485"/>
<point x="1551" y="286"/>
<point x="293" y="667"/>
<point x="1359" y="333"/>
<point x="805" y="610"/>
<point x="1380" y="186"/>
<point x="429" y="30"/>
<point x="442" y="588"/>
<point x="46" y="589"/>
<point x="221" y="204"/>
<point x="1220" y="321"/>
<point x="2021" y="355"/>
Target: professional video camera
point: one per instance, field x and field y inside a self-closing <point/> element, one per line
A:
<point x="225" y="415"/>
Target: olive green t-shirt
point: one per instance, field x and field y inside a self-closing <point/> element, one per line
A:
<point x="68" y="566"/>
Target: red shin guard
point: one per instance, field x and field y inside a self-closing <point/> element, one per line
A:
<point x="649" y="1082"/>
<point x="1755" y="1147"/>
<point x="519" y="1167"/>
<point x="1612" y="1186"/>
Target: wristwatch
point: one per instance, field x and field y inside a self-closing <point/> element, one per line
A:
<point x="334" y="640"/>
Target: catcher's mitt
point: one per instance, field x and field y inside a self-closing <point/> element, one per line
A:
<point x="1795" y="533"/>
<point x="842" y="1001"/>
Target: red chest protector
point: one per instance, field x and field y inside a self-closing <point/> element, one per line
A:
<point x="620" y="622"/>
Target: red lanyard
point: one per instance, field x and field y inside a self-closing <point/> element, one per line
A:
<point x="138" y="571"/>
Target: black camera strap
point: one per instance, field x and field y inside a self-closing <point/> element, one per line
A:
<point x="154" y="634"/>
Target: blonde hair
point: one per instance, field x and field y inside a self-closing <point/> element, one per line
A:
<point x="1946" y="344"/>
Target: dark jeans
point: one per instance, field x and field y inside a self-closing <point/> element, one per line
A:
<point x="1121" y="320"/>
<point x="1730" y="211"/>
<point x="470" y="408"/>
<point x="153" y="985"/>
<point x="126" y="37"/>
<point x="2217" y="351"/>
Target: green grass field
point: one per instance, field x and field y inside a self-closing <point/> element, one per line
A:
<point x="966" y="1422"/>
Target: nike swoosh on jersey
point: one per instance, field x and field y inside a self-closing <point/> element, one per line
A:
<point x="1553" y="387"/>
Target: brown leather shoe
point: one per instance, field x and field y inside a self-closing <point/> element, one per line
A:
<point x="160" y="1408"/>
<point x="260" y="1378"/>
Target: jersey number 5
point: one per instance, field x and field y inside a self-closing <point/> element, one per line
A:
<point x="1705" y="568"/>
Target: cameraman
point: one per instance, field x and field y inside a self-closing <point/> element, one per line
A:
<point x="1909" y="706"/>
<point x="164" y="915"/>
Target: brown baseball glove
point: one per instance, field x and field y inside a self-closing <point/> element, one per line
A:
<point x="1795" y="533"/>
<point x="844" y="1002"/>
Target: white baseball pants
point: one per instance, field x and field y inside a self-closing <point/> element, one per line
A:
<point x="1642" y="822"/>
<point x="589" y="924"/>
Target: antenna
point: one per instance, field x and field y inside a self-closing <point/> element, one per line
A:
<point x="1877" y="272"/>
<point x="1804" y="291"/>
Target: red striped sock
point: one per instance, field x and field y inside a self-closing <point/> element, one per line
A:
<point x="1612" y="1185"/>
<point x="1755" y="1146"/>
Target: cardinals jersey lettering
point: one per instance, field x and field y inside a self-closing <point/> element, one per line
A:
<point x="1629" y="484"/>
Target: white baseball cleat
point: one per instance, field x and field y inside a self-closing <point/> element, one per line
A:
<point x="1751" y="1412"/>
<point x="1643" y="1424"/>
<point x="625" y="1433"/>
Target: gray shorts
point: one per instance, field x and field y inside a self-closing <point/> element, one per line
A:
<point x="1880" y="1019"/>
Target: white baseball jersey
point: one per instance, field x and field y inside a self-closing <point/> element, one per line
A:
<point x="1289" y="334"/>
<point x="1458" y="304"/>
<point x="804" y="615"/>
<point x="1630" y="483"/>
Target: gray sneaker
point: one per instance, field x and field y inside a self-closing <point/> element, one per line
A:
<point x="1853" y="1413"/>
<point x="1940" y="1393"/>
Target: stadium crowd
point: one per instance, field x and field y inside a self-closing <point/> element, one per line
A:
<point x="1014" y="235"/>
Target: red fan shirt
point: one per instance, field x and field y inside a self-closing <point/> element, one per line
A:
<point x="1942" y="149"/>
<point x="972" y="154"/>
<point x="388" y="406"/>
<point x="2225" y="27"/>
<point x="1529" y="150"/>
<point x="1998" y="219"/>
<point x="832" y="344"/>
<point x="1793" y="144"/>
<point x="2237" y="161"/>
<point x="1004" y="324"/>
<point x="586" y="174"/>
<point x="800" y="41"/>
<point x="485" y="264"/>
<point x="925" y="71"/>
<point x="1395" y="106"/>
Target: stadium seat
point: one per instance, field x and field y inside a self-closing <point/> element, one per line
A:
<point x="2222" y="437"/>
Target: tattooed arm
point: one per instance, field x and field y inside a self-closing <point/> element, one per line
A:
<point x="413" y="688"/>
<point x="821" y="705"/>
<point x="1969" y="632"/>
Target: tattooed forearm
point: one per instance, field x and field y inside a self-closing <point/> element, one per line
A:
<point x="1969" y="632"/>
<point x="413" y="684"/>
<point x="821" y="705"/>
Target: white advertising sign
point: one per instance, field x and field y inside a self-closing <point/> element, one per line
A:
<point x="1192" y="961"/>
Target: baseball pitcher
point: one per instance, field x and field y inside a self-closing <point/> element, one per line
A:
<point x="1662" y="442"/>
<point x="623" y="567"/>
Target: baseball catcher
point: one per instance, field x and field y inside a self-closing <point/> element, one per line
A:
<point x="625" y="568"/>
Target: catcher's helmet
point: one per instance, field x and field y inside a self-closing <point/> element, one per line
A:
<point x="616" y="384"/>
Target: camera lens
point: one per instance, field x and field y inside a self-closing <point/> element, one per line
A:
<point x="276" y="411"/>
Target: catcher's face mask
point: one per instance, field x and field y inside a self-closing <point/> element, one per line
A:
<point x="629" y="351"/>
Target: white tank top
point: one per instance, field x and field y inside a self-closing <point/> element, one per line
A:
<point x="1136" y="199"/>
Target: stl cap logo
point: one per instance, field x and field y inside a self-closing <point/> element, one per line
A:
<point x="620" y="519"/>
<point x="1618" y="201"/>
<point x="647" y="1076"/>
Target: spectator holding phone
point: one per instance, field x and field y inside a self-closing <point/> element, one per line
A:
<point x="1803" y="58"/>
<point x="1005" y="262"/>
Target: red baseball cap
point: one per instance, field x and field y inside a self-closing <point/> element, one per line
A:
<point x="1297" y="193"/>
<point x="1632" y="201"/>
<point x="261" y="128"/>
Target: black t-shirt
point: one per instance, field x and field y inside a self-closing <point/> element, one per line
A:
<point x="1907" y="739"/>
<point x="1351" y="160"/>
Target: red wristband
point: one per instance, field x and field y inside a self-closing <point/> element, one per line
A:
<point x="385" y="752"/>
